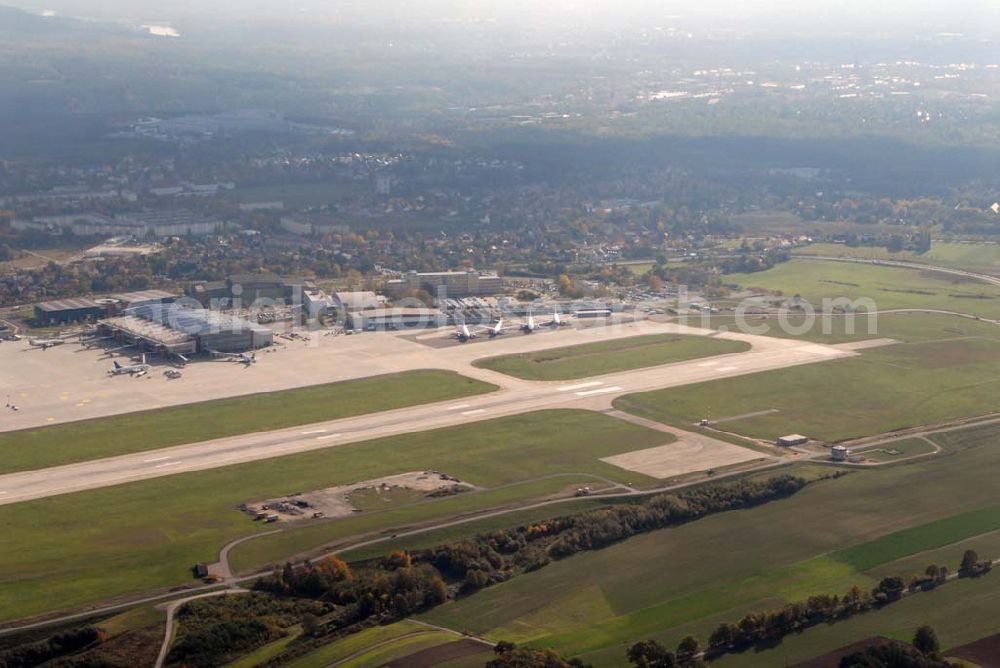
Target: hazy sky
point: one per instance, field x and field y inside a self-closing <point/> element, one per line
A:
<point x="801" y="16"/>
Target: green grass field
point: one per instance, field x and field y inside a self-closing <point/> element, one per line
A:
<point x="887" y="287"/>
<point x="148" y="430"/>
<point x="688" y="579"/>
<point x="897" y="450"/>
<point x="639" y="268"/>
<point x="357" y="642"/>
<point x="978" y="257"/>
<point x="593" y="359"/>
<point x="94" y="545"/>
<point x="884" y="389"/>
<point x="907" y="327"/>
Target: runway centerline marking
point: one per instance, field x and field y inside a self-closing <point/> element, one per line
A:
<point x="603" y="390"/>
<point x="314" y="431"/>
<point x="154" y="459"/>
<point x="579" y="386"/>
<point x="458" y="407"/>
<point x="727" y="368"/>
<point x="323" y="438"/>
<point x="160" y="466"/>
<point x="474" y="412"/>
<point x="708" y="364"/>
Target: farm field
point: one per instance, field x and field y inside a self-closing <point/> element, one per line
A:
<point x="978" y="257"/>
<point x="887" y="287"/>
<point x="153" y="531"/>
<point x="594" y="359"/>
<point x="959" y="612"/>
<point x="666" y="584"/>
<point x="899" y="544"/>
<point x="149" y="430"/>
<point x="374" y="647"/>
<point x="884" y="389"/>
<point x="639" y="268"/>
<point x="986" y="544"/>
<point x="268" y="651"/>
<point x="358" y="643"/>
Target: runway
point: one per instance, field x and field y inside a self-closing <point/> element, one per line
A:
<point x="515" y="396"/>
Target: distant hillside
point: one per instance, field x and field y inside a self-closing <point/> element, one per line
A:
<point x="18" y="23"/>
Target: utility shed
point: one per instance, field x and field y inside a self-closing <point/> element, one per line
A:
<point x="792" y="439"/>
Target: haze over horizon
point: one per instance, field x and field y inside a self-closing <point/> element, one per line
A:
<point x="894" y="17"/>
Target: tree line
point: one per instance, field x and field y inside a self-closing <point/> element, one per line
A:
<point x="499" y="555"/>
<point x="60" y="644"/>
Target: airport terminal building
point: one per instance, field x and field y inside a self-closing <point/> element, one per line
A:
<point x="173" y="329"/>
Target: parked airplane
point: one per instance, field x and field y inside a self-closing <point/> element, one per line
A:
<point x="557" y="320"/>
<point x="242" y="358"/>
<point x="45" y="344"/>
<point x="463" y="334"/>
<point x="137" y="370"/>
<point x="495" y="330"/>
<point x="529" y="325"/>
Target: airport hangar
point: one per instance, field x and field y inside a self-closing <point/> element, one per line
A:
<point x="174" y="330"/>
<point x="77" y="310"/>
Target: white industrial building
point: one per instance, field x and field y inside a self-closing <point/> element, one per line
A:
<point x="447" y="284"/>
<point x="388" y="319"/>
<point x="166" y="223"/>
<point x="357" y="301"/>
<point x="310" y="224"/>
